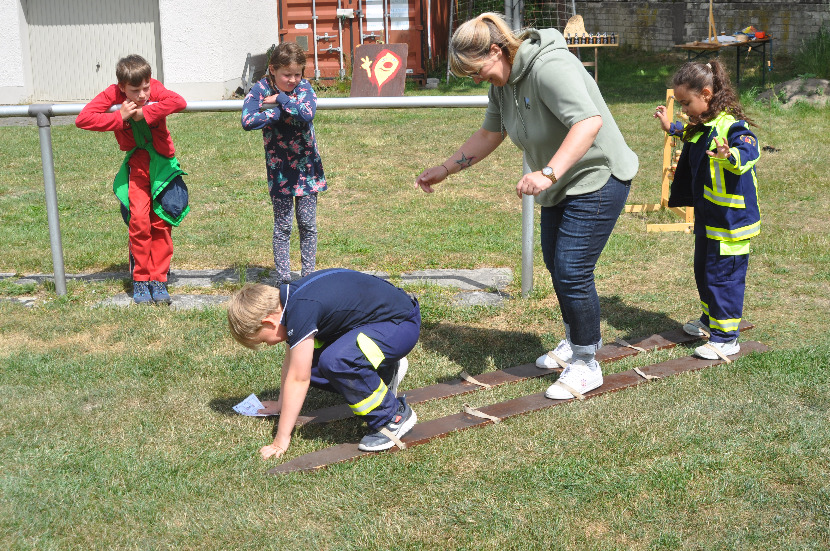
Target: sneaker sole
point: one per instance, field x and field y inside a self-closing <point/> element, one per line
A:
<point x="555" y="388"/>
<point x="405" y="428"/>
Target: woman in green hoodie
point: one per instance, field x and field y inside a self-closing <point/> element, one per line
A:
<point x="581" y="168"/>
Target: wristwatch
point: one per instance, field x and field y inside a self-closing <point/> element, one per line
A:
<point x="548" y="172"/>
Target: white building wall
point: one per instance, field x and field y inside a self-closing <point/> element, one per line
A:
<point x="13" y="50"/>
<point x="205" y="44"/>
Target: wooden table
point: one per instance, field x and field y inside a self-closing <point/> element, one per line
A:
<point x="595" y="62"/>
<point x="707" y="48"/>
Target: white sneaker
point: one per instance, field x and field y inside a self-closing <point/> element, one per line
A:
<point x="562" y="351"/>
<point x="400" y="373"/>
<point x="696" y="328"/>
<point x="579" y="376"/>
<point x="726" y="348"/>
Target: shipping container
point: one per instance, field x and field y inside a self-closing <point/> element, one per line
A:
<point x="329" y="30"/>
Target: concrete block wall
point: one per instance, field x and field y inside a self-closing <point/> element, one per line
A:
<point x="660" y="24"/>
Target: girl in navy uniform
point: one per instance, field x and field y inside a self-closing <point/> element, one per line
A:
<point x="344" y="331"/>
<point x="716" y="175"/>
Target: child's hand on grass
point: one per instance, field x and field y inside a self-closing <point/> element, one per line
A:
<point x="276" y="448"/>
<point x="270" y="407"/>
<point x="271" y="450"/>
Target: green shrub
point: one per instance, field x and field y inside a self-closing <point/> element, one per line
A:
<point x="813" y="58"/>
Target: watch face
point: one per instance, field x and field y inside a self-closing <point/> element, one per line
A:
<point x="547" y="171"/>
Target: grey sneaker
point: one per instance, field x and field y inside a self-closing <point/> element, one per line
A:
<point x="401" y="423"/>
<point x="562" y="351"/>
<point x="707" y="351"/>
<point x="696" y="328"/>
<point x="141" y="292"/>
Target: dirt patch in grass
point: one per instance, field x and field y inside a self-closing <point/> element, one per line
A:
<point x="84" y="342"/>
<point x="814" y="91"/>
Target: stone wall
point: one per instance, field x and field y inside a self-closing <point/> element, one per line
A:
<point x="660" y="24"/>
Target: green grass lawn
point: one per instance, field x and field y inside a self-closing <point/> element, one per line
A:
<point x="115" y="424"/>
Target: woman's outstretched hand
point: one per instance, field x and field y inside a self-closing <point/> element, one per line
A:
<point x="430" y="177"/>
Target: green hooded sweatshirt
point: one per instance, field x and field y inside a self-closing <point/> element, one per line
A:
<point x="549" y="91"/>
<point x="162" y="171"/>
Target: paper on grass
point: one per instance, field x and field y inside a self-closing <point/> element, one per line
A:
<point x="250" y="406"/>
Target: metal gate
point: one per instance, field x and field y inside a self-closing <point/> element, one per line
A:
<point x="75" y="44"/>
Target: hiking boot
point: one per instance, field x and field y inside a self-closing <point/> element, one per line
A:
<point x="401" y="423"/>
<point x="579" y="376"/>
<point x="729" y="348"/>
<point x="696" y="328"/>
<point x="141" y="292"/>
<point x="158" y="290"/>
<point x="562" y="351"/>
<point x="401" y="368"/>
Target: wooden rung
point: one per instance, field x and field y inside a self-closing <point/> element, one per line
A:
<point x="680" y="226"/>
<point x="643" y="208"/>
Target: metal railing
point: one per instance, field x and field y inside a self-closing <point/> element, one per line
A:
<point x="44" y="112"/>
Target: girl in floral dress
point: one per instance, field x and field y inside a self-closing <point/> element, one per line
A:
<point x="292" y="160"/>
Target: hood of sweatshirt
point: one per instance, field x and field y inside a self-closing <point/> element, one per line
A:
<point x="536" y="44"/>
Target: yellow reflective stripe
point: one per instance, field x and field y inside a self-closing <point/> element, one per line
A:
<point x="368" y="404"/>
<point x="716" y="174"/>
<point x="724" y="199"/>
<point x="725" y="325"/>
<point x="372" y="352"/>
<point x="734" y="248"/>
<point x="736" y="234"/>
<point x="705" y="307"/>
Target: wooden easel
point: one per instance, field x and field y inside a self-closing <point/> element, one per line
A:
<point x="713" y="33"/>
<point x="671" y="153"/>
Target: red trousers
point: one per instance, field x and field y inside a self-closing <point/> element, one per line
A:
<point x="151" y="242"/>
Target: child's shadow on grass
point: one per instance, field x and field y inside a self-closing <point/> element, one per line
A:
<point x="478" y="350"/>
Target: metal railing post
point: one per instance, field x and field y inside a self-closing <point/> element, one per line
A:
<point x="43" y="112"/>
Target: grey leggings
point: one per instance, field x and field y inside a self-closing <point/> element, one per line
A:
<point x="306" y="223"/>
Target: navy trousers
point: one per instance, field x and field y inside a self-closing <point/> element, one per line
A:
<point x="721" y="283"/>
<point x="361" y="363"/>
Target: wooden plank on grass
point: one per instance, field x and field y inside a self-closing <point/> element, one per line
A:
<point x="609" y="353"/>
<point x="437" y="428"/>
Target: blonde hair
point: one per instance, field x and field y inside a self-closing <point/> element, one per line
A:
<point x="471" y="43"/>
<point x="248" y="307"/>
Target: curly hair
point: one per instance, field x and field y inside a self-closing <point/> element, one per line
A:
<point x="697" y="76"/>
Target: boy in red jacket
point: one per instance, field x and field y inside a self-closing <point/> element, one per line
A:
<point x="150" y="166"/>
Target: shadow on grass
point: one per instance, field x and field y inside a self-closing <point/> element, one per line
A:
<point x="478" y="350"/>
<point x="634" y="322"/>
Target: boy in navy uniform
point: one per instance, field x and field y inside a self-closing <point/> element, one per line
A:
<point x="344" y="331"/>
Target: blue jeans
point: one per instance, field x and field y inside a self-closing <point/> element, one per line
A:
<point x="573" y="233"/>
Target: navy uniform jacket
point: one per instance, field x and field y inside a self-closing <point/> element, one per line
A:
<point x="723" y="192"/>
